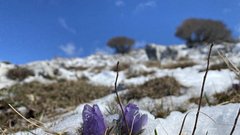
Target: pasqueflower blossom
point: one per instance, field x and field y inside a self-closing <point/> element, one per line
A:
<point x="134" y="119"/>
<point x="93" y="122"/>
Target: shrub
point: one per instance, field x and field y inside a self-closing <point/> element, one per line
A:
<point x="199" y="31"/>
<point x="19" y="73"/>
<point x="121" y="44"/>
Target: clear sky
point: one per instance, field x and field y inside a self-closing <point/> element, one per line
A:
<point x="43" y="29"/>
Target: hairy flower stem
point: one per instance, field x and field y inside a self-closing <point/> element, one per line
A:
<point x="202" y="90"/>
<point x="119" y="99"/>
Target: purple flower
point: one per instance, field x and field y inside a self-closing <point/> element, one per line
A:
<point x="93" y="122"/>
<point x="134" y="119"/>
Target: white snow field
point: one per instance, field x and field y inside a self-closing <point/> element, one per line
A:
<point x="213" y="120"/>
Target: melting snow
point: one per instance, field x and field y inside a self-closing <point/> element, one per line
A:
<point x="216" y="120"/>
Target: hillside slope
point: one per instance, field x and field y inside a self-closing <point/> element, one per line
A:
<point x="165" y="101"/>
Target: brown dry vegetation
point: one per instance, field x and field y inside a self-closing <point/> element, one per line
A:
<point x="230" y="96"/>
<point x="78" y="68"/>
<point x="218" y="66"/>
<point x="155" y="88"/>
<point x="98" y="69"/>
<point x="205" y="100"/>
<point x="142" y="73"/>
<point x="45" y="100"/>
<point x="122" y="66"/>
<point x="19" y="73"/>
<point x="178" y="64"/>
<point x="153" y="63"/>
<point x="159" y="112"/>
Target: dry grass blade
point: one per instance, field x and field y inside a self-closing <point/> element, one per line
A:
<point x="209" y="117"/>
<point x="183" y="122"/>
<point x="235" y="122"/>
<point x="24" y="117"/>
<point x="3" y="131"/>
<point x="230" y="64"/>
<point x="37" y="121"/>
<point x="119" y="100"/>
<point x="184" y="119"/>
<point x="202" y="90"/>
<point x="33" y="123"/>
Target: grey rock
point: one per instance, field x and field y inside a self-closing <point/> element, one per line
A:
<point x="151" y="52"/>
<point x="169" y="53"/>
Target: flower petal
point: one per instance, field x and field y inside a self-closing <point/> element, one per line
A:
<point x="93" y="122"/>
<point x="134" y="119"/>
<point x="139" y="123"/>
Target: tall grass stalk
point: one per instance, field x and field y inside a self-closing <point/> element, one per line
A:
<point x="202" y="90"/>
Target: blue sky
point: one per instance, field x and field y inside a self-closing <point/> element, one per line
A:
<point x="43" y="29"/>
